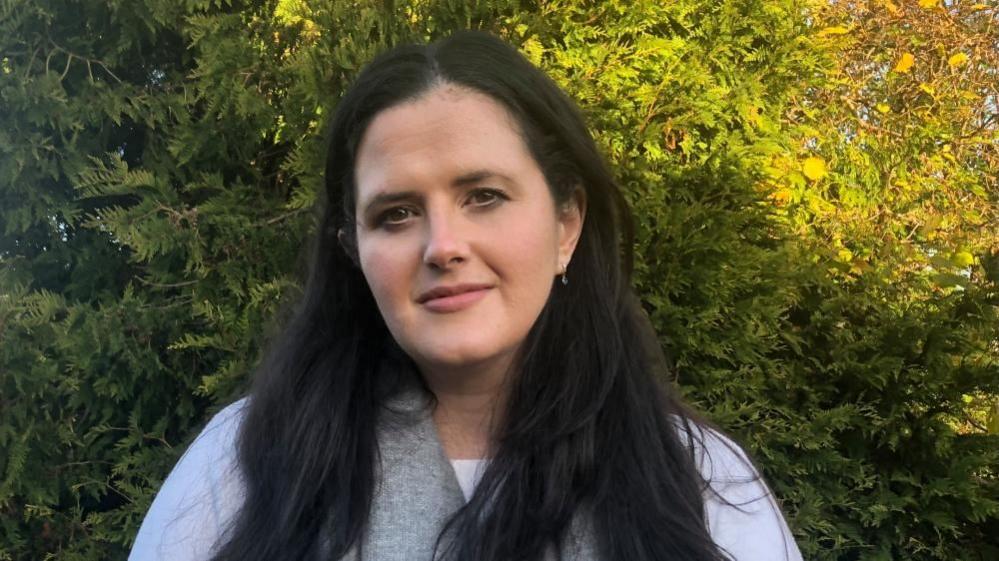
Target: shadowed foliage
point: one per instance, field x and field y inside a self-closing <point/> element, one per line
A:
<point x="814" y="185"/>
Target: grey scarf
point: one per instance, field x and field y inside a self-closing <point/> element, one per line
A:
<point x="418" y="491"/>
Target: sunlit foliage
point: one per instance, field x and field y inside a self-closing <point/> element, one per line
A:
<point x="818" y="236"/>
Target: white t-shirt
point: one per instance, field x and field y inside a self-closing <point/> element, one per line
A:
<point x="204" y="491"/>
<point x="468" y="472"/>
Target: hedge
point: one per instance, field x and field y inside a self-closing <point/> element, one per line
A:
<point x="815" y="188"/>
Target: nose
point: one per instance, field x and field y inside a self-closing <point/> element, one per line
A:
<point x="445" y="246"/>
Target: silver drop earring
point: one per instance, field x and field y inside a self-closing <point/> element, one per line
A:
<point x="565" y="278"/>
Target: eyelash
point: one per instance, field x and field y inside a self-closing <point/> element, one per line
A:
<point x="496" y="196"/>
<point x="383" y="218"/>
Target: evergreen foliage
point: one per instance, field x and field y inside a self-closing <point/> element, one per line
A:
<point x="814" y="183"/>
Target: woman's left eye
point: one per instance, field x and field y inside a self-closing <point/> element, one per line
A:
<point x="485" y="197"/>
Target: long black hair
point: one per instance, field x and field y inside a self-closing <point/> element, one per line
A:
<point x="589" y="429"/>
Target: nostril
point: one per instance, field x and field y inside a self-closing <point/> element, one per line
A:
<point x="443" y="253"/>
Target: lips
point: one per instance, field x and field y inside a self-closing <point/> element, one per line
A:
<point x="453" y="298"/>
<point x="445" y="291"/>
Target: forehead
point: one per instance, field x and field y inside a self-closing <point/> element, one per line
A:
<point x="445" y="133"/>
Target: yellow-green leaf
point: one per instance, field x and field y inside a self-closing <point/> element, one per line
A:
<point x="814" y="168"/>
<point x="904" y="63"/>
<point x="534" y="50"/>
<point x="963" y="259"/>
<point x="781" y="197"/>
<point x="882" y="107"/>
<point x="928" y="89"/>
<point x="992" y="424"/>
<point x="957" y="59"/>
<point x="835" y="30"/>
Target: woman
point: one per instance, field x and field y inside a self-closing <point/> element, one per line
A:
<point x="465" y="376"/>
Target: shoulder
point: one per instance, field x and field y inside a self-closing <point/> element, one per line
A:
<point x="742" y="513"/>
<point x="199" y="497"/>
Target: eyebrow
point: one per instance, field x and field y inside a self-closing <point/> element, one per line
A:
<point x="476" y="176"/>
<point x="463" y="180"/>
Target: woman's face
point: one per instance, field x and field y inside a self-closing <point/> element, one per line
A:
<point x="458" y="235"/>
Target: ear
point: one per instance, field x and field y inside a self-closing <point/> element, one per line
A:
<point x="570" y="225"/>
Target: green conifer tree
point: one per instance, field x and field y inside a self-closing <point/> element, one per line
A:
<point x="159" y="161"/>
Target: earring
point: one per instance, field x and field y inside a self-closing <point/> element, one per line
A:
<point x="565" y="278"/>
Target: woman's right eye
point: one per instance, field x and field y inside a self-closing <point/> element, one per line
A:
<point x="395" y="216"/>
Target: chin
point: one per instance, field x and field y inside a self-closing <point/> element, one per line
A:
<point x="459" y="358"/>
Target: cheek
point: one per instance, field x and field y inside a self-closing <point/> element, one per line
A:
<point x="529" y="261"/>
<point x="533" y="244"/>
<point x="386" y="268"/>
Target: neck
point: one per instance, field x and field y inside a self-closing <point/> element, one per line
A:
<point x="466" y="412"/>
